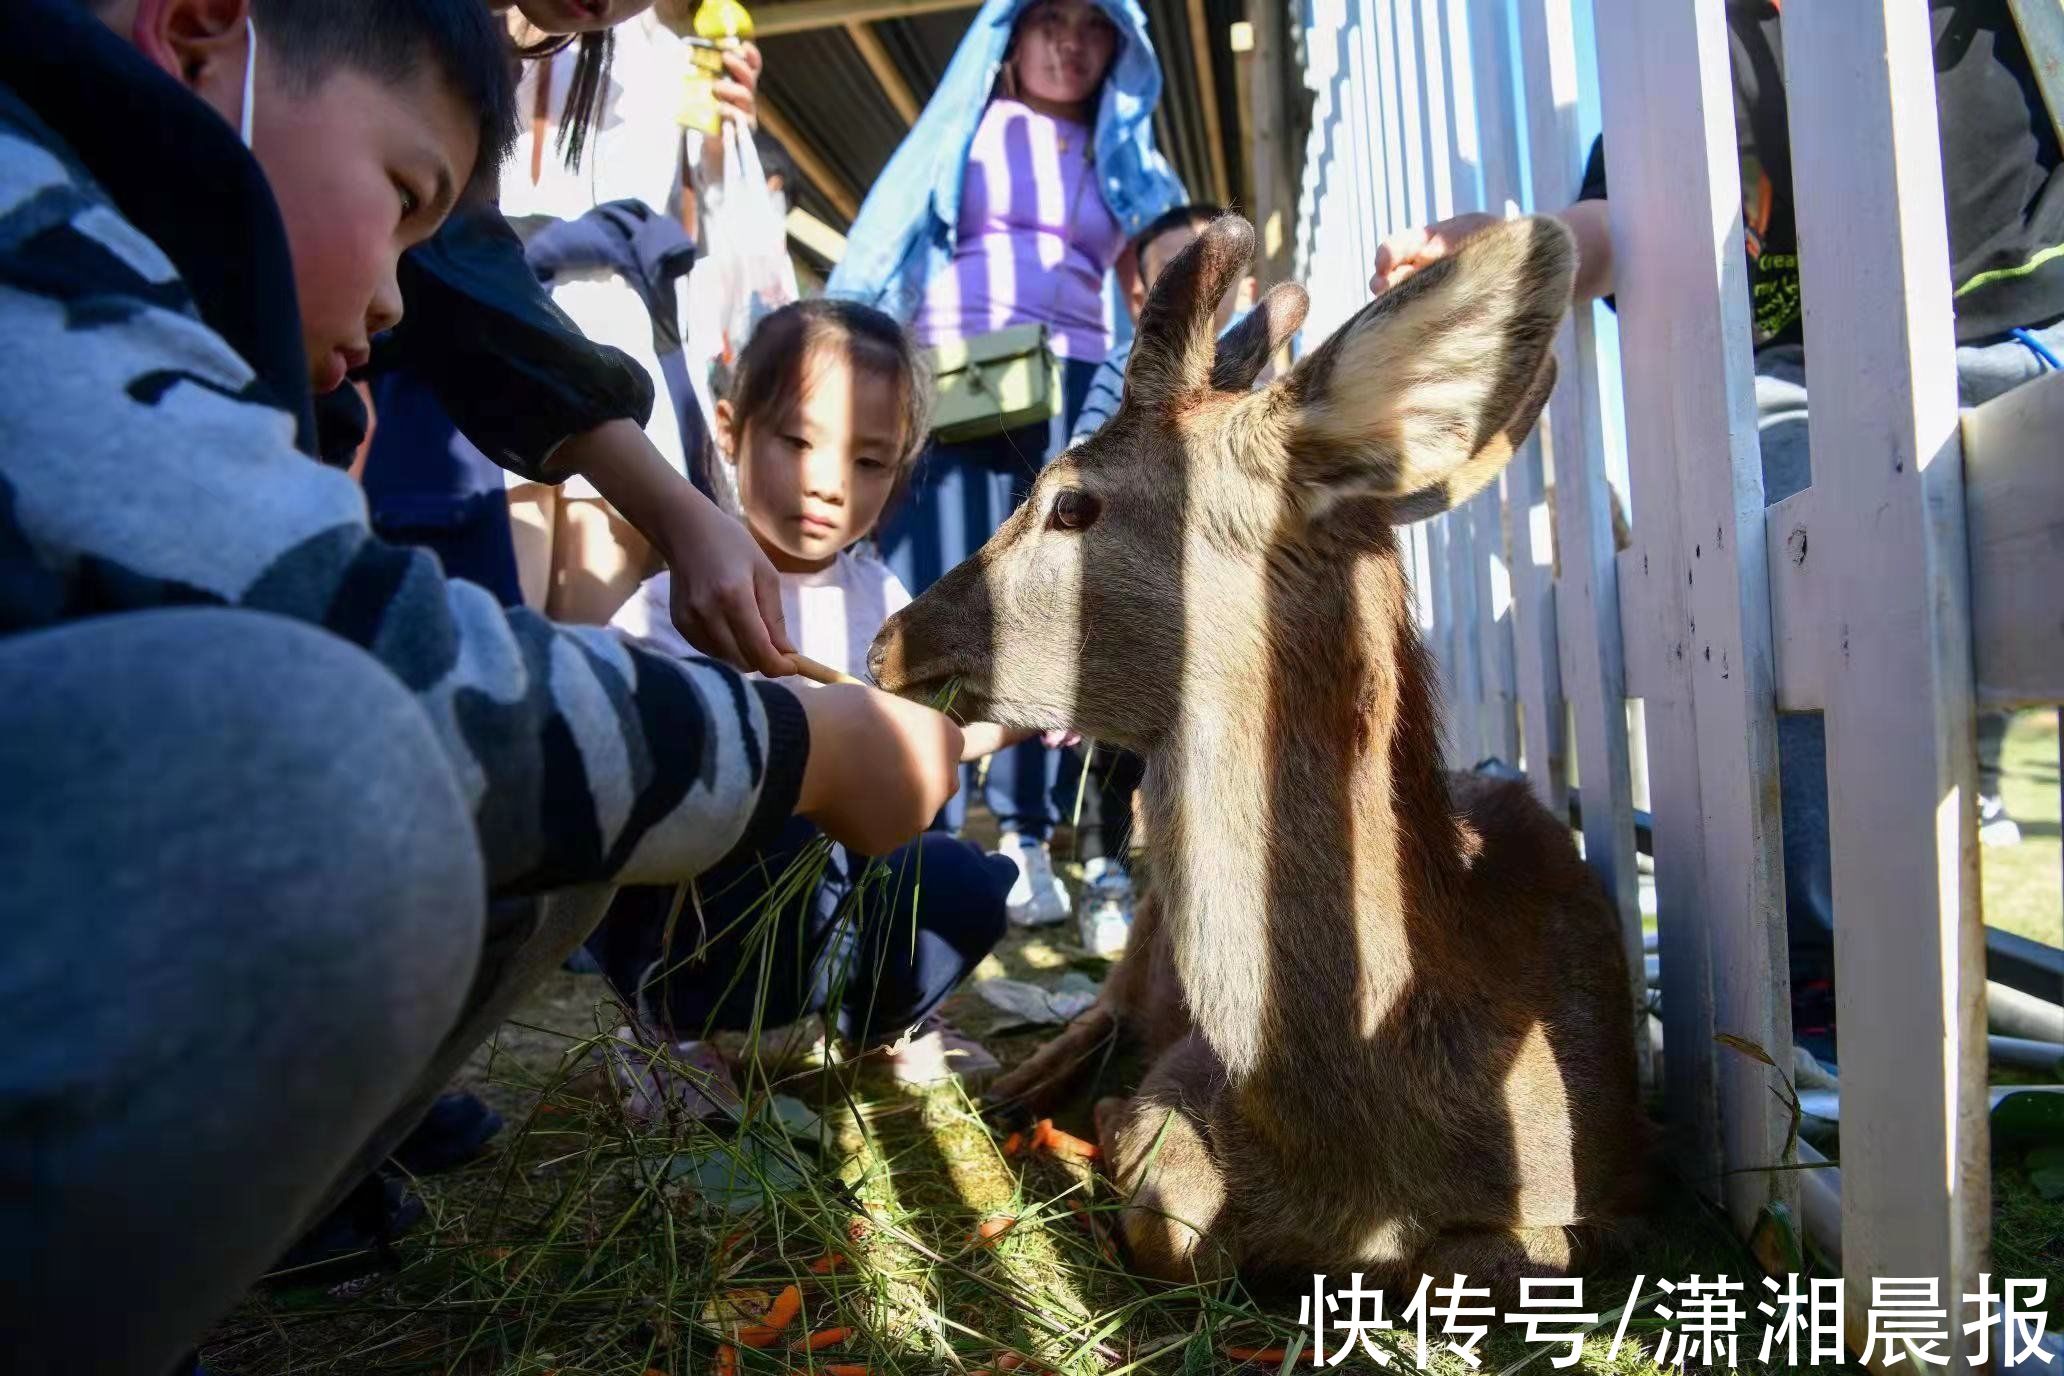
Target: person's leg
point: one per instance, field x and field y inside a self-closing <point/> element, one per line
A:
<point x="243" y="904"/>
<point x="919" y="930"/>
<point x="1801" y="737"/>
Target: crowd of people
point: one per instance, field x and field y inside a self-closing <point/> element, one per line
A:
<point x="374" y="638"/>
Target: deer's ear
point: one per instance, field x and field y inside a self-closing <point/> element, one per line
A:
<point x="1246" y="348"/>
<point x="1424" y="396"/>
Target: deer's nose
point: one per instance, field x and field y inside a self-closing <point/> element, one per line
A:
<point x="885" y="658"/>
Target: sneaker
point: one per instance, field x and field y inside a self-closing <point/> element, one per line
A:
<point x="691" y="1076"/>
<point x="1107" y="908"/>
<point x="456" y="1130"/>
<point x="1995" y="827"/>
<point x="935" y="1051"/>
<point x="1037" y="898"/>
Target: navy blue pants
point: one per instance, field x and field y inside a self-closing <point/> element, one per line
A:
<point x="960" y="495"/>
<point x="874" y="949"/>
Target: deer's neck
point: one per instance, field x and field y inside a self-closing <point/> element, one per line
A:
<point x="1301" y="818"/>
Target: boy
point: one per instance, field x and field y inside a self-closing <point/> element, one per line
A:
<point x="2003" y="186"/>
<point x="263" y="772"/>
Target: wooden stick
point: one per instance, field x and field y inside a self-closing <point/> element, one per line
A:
<point x="820" y="673"/>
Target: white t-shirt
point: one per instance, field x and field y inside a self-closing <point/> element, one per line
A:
<point x="833" y="614"/>
<point x="634" y="152"/>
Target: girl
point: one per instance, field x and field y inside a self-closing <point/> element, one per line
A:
<point x="824" y="419"/>
<point x="1010" y="203"/>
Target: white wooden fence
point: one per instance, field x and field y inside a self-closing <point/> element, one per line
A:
<point x="1854" y="597"/>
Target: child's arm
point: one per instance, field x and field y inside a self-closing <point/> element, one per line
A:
<point x="136" y="473"/>
<point x="542" y="400"/>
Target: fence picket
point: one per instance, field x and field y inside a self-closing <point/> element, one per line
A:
<point x="1889" y="536"/>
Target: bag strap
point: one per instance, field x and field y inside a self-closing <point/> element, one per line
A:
<point x="2042" y="34"/>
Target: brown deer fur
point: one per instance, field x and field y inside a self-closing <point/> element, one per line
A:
<point x="1394" y="1029"/>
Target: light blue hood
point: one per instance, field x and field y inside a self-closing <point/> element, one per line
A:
<point x="905" y="233"/>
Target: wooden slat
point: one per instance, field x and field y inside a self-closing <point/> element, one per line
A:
<point x="878" y="61"/>
<point x="1537" y="665"/>
<point x="1895" y="650"/>
<point x="808" y="160"/>
<point x="1203" y="41"/>
<point x="806" y="16"/>
<point x="1587" y="603"/>
<point x="1275" y="182"/>
<point x="1680" y="274"/>
<point x="2014" y="510"/>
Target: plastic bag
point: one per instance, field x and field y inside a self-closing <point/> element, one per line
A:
<point x="745" y="276"/>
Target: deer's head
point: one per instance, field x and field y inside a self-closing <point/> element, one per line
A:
<point x="1143" y="563"/>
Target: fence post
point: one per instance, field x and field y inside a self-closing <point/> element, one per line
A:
<point x="1587" y="592"/>
<point x="1887" y="547"/>
<point x="1695" y="601"/>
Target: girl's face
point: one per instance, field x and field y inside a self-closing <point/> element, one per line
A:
<point x="1063" y="49"/>
<point x="815" y="480"/>
<point x="579" y="16"/>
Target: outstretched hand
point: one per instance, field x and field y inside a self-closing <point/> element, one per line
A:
<point x="1410" y="250"/>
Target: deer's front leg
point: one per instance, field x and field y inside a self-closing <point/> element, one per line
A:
<point x="1155" y="1147"/>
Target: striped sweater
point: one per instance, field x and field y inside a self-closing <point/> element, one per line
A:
<point x="144" y="464"/>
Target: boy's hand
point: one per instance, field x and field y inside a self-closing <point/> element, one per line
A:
<point x="880" y="768"/>
<point x="1407" y="251"/>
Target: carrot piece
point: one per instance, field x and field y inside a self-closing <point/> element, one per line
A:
<point x="994" y="1227"/>
<point x="1274" y="1355"/>
<point x="826" y="1264"/>
<point x="786" y="1306"/>
<point x="817" y="1342"/>
<point x="1008" y="1361"/>
<point x="727" y="1361"/>
<point x="1014" y="1144"/>
<point x="846" y="1369"/>
<point x="1067" y="1144"/>
<point x="758" y="1335"/>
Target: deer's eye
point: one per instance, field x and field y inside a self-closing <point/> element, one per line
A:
<point x="1073" y="509"/>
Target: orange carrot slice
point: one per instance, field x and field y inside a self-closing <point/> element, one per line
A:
<point x="758" y="1335"/>
<point x="826" y="1264"/>
<point x="846" y="1369"/>
<point x="994" y="1227"/>
<point x="1067" y="1144"/>
<point x="818" y="1341"/>
<point x="1008" y="1361"/>
<point x="1270" y="1355"/>
<point x="1014" y="1144"/>
<point x="786" y="1306"/>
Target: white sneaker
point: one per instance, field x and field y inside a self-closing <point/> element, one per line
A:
<point x="1107" y="908"/>
<point x="935" y="1051"/>
<point x="1995" y="827"/>
<point x="1037" y="898"/>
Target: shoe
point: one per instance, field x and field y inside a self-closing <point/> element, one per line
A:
<point x="456" y="1130"/>
<point x="1995" y="827"/>
<point x="357" y="1237"/>
<point x="691" y="1076"/>
<point x="1107" y="908"/>
<point x="1036" y="897"/>
<point x="935" y="1051"/>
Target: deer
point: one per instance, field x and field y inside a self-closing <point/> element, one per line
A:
<point x="1388" y="1015"/>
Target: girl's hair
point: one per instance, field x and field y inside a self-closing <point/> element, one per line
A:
<point x="590" y="85"/>
<point x="770" y="370"/>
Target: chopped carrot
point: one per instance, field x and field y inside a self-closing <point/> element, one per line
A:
<point x="497" y="1254"/>
<point x="1067" y="1144"/>
<point x="1270" y="1355"/>
<point x="1008" y="1361"/>
<point x="654" y="1371"/>
<point x="1014" y="1144"/>
<point x="727" y="1361"/>
<point x="826" y="1264"/>
<point x="731" y="1240"/>
<point x="786" y="1306"/>
<point x="993" y="1228"/>
<point x="816" y="1342"/>
<point x="846" y="1369"/>
<point x="1040" y="1130"/>
<point x="758" y="1335"/>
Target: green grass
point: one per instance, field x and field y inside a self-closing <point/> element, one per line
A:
<point x="2024" y="884"/>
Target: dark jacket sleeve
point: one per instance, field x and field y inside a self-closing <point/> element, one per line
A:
<point x="515" y="374"/>
<point x="1593" y="188"/>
